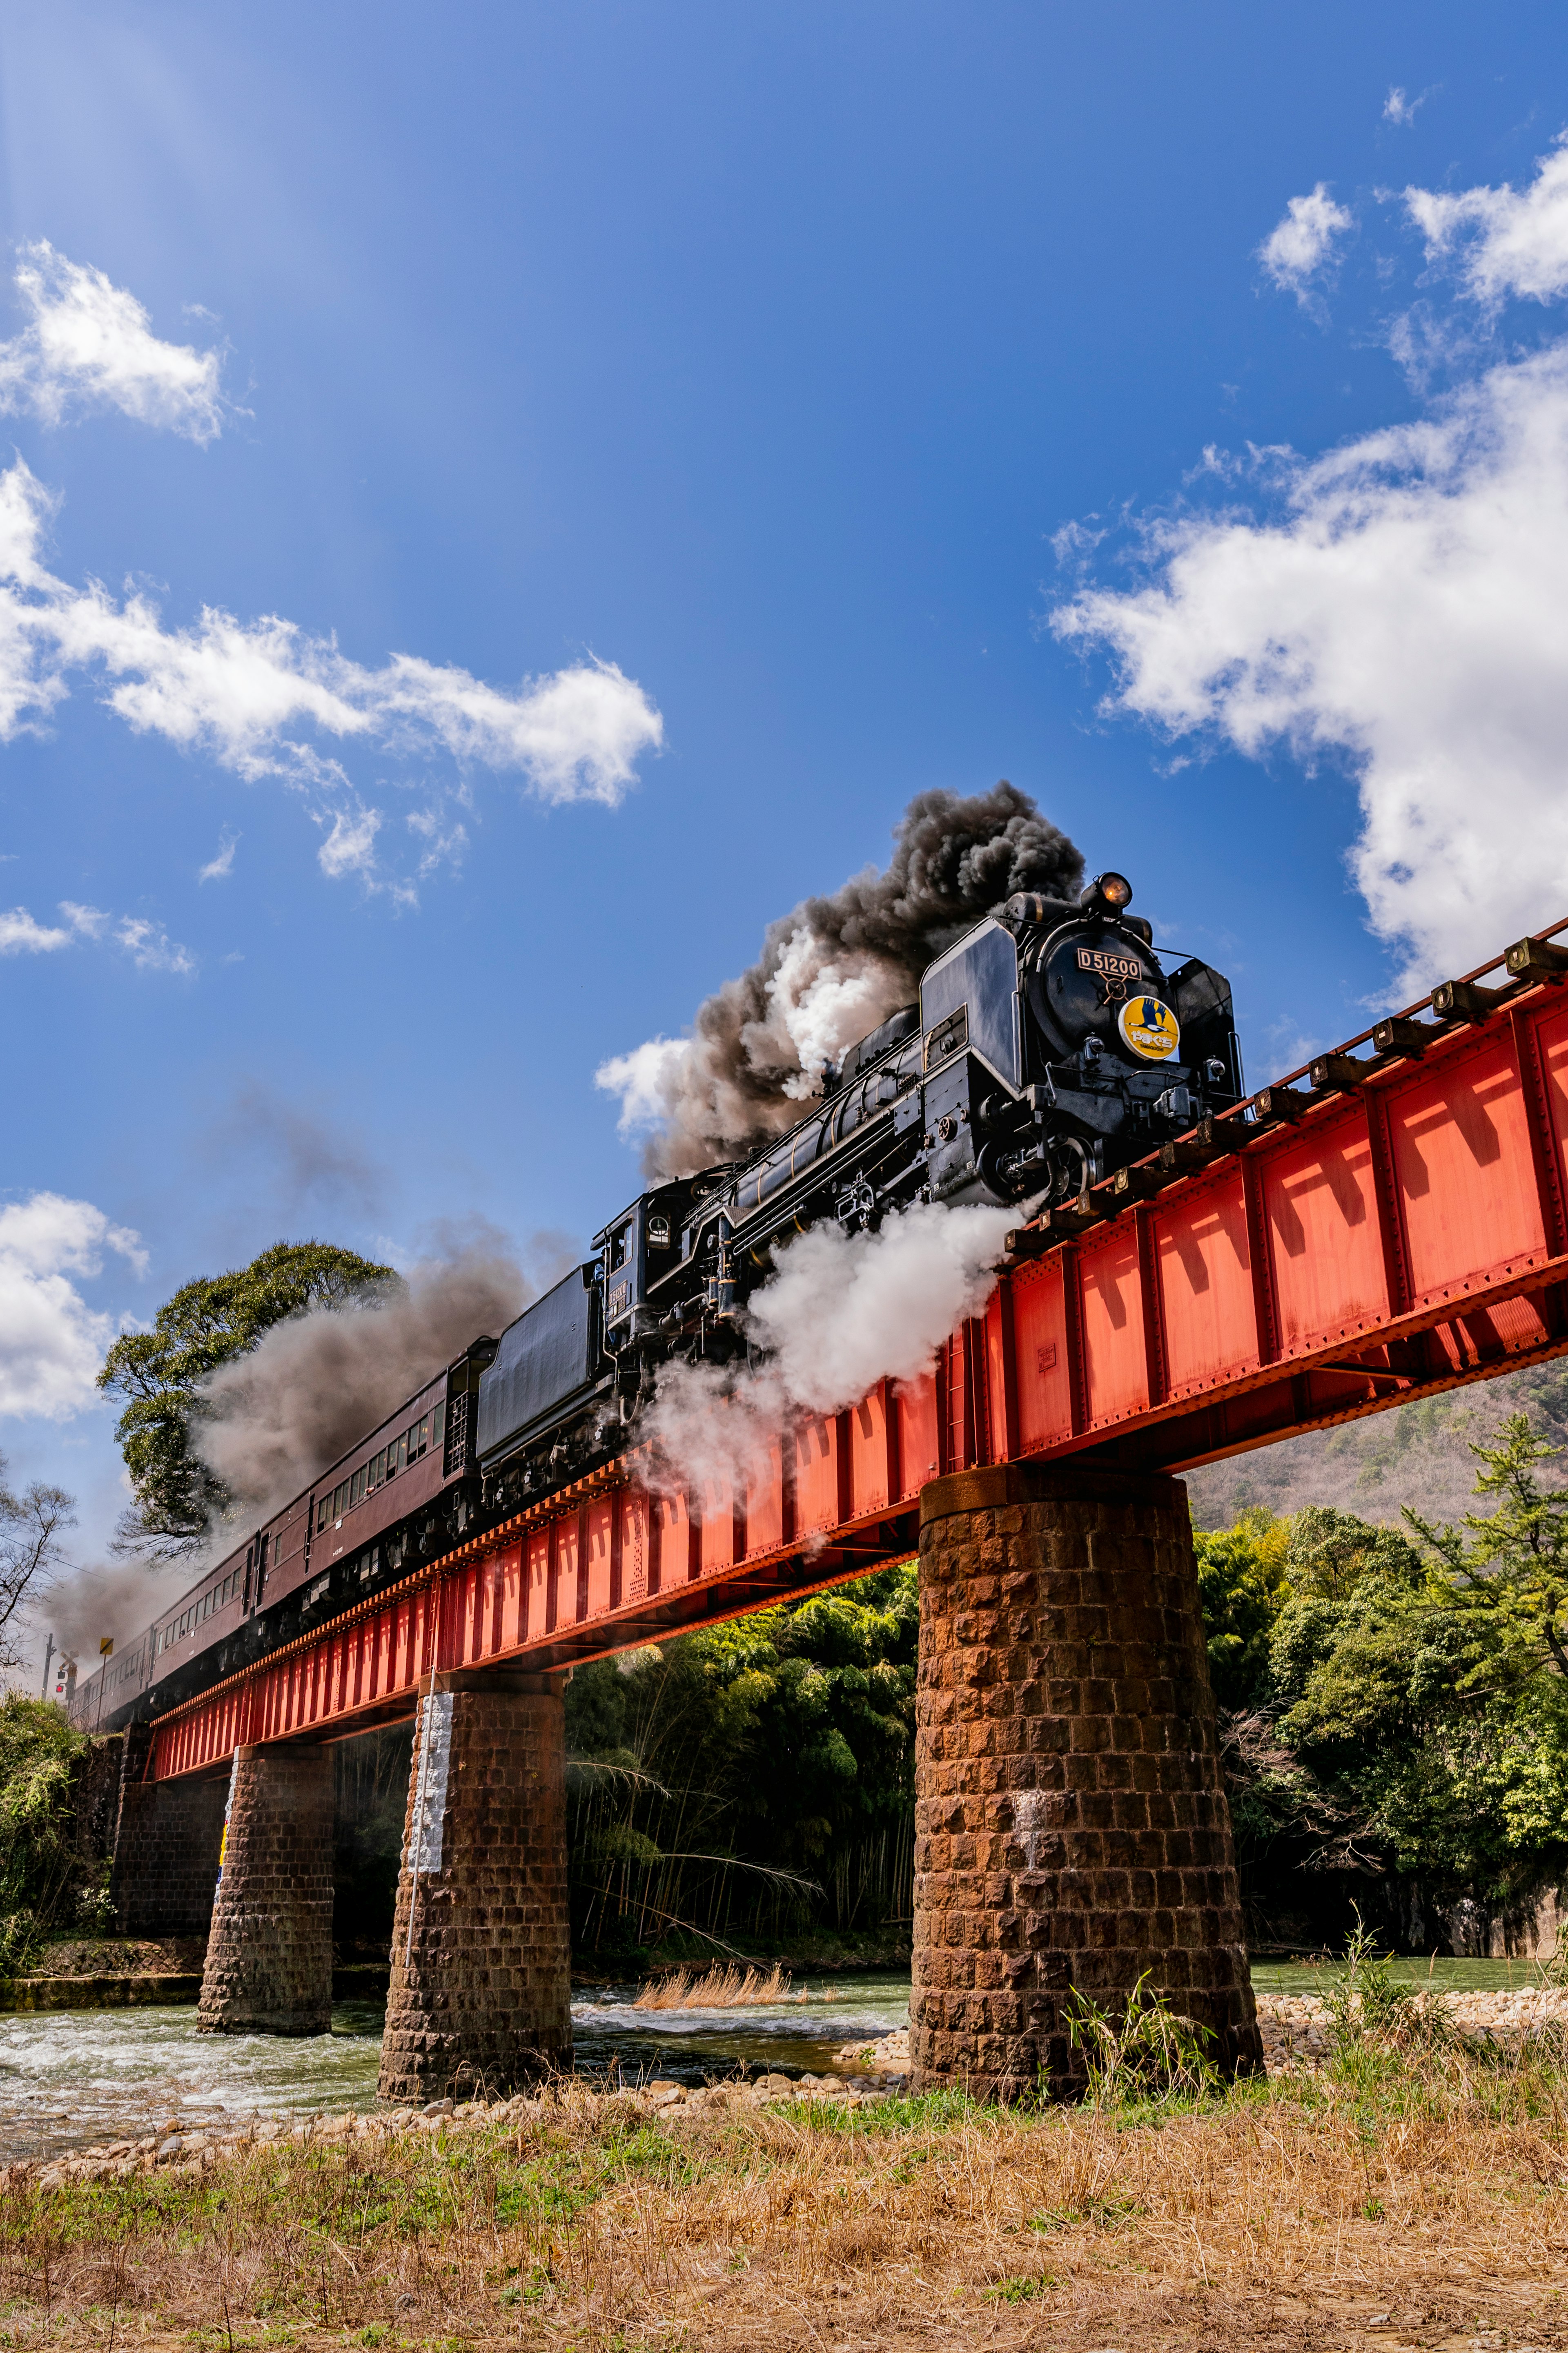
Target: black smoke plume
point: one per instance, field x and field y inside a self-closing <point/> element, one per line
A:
<point x="830" y="972"/>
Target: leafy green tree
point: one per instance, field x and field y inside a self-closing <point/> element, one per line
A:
<point x="1507" y="1570"/>
<point x="1242" y="1588"/>
<point x="160" y="1375"/>
<point x="1419" y="1685"/>
<point x="41" y="1755"/>
<point x="751" y="1775"/>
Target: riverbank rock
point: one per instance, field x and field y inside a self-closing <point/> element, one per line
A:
<point x="195" y="2149"/>
<point x="888" y="2055"/>
<point x="1296" y="2027"/>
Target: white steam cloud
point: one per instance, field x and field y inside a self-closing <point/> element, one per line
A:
<point x="841" y="1312"/>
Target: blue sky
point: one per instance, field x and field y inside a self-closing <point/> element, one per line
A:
<point x="736" y="421"/>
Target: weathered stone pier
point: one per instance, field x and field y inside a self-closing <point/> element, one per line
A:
<point x="1072" y="1835"/>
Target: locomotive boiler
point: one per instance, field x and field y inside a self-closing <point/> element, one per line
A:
<point x="1048" y="1048"/>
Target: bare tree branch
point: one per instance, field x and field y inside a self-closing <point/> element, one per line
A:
<point x="32" y="1529"/>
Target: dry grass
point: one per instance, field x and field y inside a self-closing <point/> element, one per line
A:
<point x="1400" y="2205"/>
<point x="724" y="1987"/>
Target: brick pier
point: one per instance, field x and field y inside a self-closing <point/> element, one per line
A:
<point x="270" y="1955"/>
<point x="1071" y="1827"/>
<point x="481" y="1993"/>
<point x="167" y="1841"/>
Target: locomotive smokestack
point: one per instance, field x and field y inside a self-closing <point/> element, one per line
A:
<point x="829" y="973"/>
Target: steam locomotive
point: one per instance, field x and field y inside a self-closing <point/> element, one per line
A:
<point x="1048" y="1048"/>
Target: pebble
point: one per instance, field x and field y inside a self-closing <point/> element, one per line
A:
<point x="193" y="2152"/>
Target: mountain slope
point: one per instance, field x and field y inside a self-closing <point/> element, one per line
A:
<point x="1417" y="1454"/>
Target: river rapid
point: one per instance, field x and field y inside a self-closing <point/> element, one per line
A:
<point x="70" y="2079"/>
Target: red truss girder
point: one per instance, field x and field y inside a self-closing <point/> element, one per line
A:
<point x="1399" y="1231"/>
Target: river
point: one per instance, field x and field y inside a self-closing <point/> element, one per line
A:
<point x="68" y="2078"/>
<point x="71" y="2078"/>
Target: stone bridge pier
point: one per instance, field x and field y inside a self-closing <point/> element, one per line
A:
<point x="1072" y="1834"/>
<point x="269" y="1952"/>
<point x="166" y="1841"/>
<point x="481" y="1956"/>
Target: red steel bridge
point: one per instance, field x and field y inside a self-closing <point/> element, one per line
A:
<point x="1387" y="1222"/>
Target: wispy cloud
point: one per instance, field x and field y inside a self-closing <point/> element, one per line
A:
<point x="350" y="847"/>
<point x="51" y="1342"/>
<point x="250" y="695"/>
<point x="20" y="935"/>
<point x="1507" y="241"/>
<point x="1400" y="108"/>
<point x="219" y="868"/>
<point x="89" y="344"/>
<point x="1300" y="248"/>
<point x="146" y="943"/>
<point x="150" y="948"/>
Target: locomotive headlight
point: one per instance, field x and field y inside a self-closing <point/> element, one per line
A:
<point x="1115" y="890"/>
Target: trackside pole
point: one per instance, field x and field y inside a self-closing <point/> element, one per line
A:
<point x="1071" y="1826"/>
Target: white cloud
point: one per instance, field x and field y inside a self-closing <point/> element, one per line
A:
<point x="445" y="844"/>
<point x="1301" y="246"/>
<point x="89" y="345"/>
<point x="146" y="943"/>
<point x="20" y="935"/>
<point x="51" y="1342"/>
<point x="151" y="949"/>
<point x="88" y="923"/>
<point x="1398" y="107"/>
<point x="350" y="848"/>
<point x="219" y="868"/>
<point x="246" y="692"/>
<point x="1404" y="605"/>
<point x="1511" y="243"/>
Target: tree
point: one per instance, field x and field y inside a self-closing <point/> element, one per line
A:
<point x="161" y="1375"/>
<point x="740" y="1779"/>
<point x="1241" y="1588"/>
<point x="42" y="1867"/>
<point x="1508" y="1578"/>
<point x="31" y="1526"/>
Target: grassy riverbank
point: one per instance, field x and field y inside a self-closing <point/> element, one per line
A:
<point x="1406" y="2195"/>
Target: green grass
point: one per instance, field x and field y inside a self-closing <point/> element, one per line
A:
<point x="1447" y="1976"/>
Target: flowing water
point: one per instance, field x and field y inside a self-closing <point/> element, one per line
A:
<point x="71" y="2078"/>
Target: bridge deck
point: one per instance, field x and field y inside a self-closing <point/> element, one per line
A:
<point x="1397" y="1229"/>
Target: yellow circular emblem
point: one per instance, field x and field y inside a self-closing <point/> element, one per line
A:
<point x="1149" y="1029"/>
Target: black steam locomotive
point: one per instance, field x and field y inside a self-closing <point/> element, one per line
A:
<point x="1048" y="1048"/>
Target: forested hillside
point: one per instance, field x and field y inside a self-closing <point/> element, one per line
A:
<point x="1415" y="1454"/>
